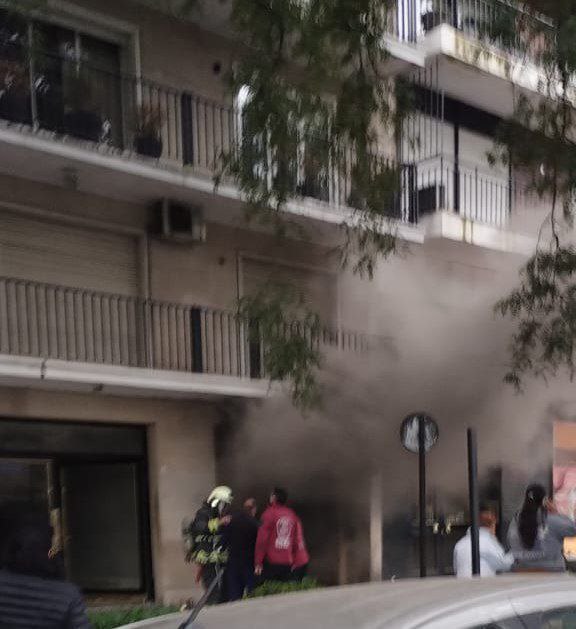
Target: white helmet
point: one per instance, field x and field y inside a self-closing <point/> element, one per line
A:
<point x="221" y="494"/>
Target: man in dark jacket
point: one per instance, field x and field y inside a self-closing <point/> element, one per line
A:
<point x="31" y="595"/>
<point x="239" y="539"/>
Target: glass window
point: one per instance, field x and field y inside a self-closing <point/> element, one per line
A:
<point x="47" y="438"/>
<point x="558" y="619"/>
<point x="509" y="623"/>
<point x="15" y="102"/>
<point x="62" y="79"/>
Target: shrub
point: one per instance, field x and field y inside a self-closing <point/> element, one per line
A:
<point x="111" y="618"/>
<point x="271" y="588"/>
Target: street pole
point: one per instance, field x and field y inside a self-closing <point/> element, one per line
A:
<point x="422" y="492"/>
<point x="474" y="500"/>
<point x="376" y="526"/>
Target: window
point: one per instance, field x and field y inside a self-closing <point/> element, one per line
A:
<point x="562" y="618"/>
<point x="511" y="623"/>
<point x="558" y="619"/>
<point x="60" y="79"/>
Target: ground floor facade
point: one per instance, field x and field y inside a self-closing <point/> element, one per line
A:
<point x="118" y="476"/>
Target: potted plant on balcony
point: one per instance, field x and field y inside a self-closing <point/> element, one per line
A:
<point x="14" y="92"/>
<point x="81" y="117"/>
<point x="147" y="136"/>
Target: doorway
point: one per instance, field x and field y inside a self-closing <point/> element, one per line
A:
<point x="100" y="512"/>
<point x="90" y="482"/>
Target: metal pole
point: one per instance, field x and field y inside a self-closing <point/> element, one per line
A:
<point x="422" y="487"/>
<point x="474" y="502"/>
<point x="376" y="524"/>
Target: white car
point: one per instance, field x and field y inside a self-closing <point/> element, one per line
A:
<point x="507" y="602"/>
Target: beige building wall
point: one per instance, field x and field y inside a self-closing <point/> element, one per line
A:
<point x="181" y="463"/>
<point x="172" y="52"/>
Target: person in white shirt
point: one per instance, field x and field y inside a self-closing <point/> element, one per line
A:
<point x="493" y="558"/>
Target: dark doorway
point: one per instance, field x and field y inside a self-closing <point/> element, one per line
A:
<point x="91" y="481"/>
<point x="101" y="526"/>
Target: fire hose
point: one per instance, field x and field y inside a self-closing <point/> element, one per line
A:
<point x="202" y="602"/>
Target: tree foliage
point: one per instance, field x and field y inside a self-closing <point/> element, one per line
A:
<point x="288" y="334"/>
<point x="315" y="104"/>
<point x="539" y="141"/>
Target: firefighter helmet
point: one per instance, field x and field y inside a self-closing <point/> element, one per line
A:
<point x="221" y="494"/>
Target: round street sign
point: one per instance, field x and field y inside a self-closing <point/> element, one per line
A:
<point x="410" y="428"/>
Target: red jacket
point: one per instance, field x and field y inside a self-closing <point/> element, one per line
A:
<point x="280" y="538"/>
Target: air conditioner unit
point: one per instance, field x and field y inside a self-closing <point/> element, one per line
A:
<point x="177" y="221"/>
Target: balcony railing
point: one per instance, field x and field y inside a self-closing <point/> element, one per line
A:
<point x="57" y="322"/>
<point x="439" y="183"/>
<point x="129" y="115"/>
<point x="501" y="24"/>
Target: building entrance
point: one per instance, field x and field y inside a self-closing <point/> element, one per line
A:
<point x="90" y="482"/>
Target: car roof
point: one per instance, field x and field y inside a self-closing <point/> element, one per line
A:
<point x="403" y="604"/>
<point x="400" y="604"/>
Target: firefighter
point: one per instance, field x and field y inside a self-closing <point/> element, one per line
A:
<point x="203" y="540"/>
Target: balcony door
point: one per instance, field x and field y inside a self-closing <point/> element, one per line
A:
<point x="61" y="79"/>
<point x="81" y="87"/>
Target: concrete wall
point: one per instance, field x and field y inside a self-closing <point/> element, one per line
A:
<point x="181" y="463"/>
<point x="172" y="52"/>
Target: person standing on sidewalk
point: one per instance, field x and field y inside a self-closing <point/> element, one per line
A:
<point x="493" y="558"/>
<point x="239" y="539"/>
<point x="537" y="533"/>
<point x="279" y="538"/>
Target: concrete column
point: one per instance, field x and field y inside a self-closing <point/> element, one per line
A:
<point x="343" y="556"/>
<point x="376" y="524"/>
<point x="184" y="472"/>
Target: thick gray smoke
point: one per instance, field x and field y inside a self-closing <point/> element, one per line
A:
<point x="437" y="348"/>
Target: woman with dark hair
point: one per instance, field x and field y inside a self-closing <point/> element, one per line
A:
<point x="32" y="596"/>
<point x="536" y="534"/>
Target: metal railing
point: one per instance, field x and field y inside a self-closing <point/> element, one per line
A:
<point x="439" y="183"/>
<point x="57" y="322"/>
<point x="502" y="24"/>
<point x="127" y="113"/>
<point x="140" y="117"/>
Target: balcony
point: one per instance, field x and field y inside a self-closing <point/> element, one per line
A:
<point x="140" y="140"/>
<point x="464" y="36"/>
<point x="440" y="184"/>
<point x="499" y="24"/>
<point x="121" y="343"/>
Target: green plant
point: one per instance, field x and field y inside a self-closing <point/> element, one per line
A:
<point x="538" y="141"/>
<point x="111" y="618"/>
<point x="272" y="588"/>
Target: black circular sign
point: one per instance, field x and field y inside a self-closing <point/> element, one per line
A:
<point x="410" y="428"/>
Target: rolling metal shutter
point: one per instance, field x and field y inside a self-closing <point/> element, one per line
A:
<point x="318" y="289"/>
<point x="43" y="251"/>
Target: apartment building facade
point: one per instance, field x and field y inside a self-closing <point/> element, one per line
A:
<point x="120" y="265"/>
